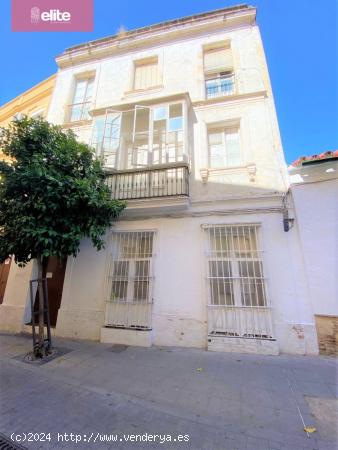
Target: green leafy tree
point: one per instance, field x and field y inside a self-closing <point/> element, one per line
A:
<point x="52" y="195"/>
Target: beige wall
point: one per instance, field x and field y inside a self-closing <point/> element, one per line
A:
<point x="327" y="329"/>
<point x="252" y="106"/>
<point x="35" y="100"/>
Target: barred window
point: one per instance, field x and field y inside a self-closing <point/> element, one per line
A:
<point x="130" y="280"/>
<point x="235" y="270"/>
<point x="218" y="70"/>
<point x="238" y="304"/>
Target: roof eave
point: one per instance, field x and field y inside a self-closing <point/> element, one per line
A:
<point x="110" y="45"/>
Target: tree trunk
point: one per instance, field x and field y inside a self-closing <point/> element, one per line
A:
<point x="41" y="307"/>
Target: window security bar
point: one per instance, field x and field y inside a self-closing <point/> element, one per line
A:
<point x="130" y="280"/>
<point x="219" y="86"/>
<point x="238" y="304"/>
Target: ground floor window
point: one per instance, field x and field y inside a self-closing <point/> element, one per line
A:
<point x="130" y="280"/>
<point x="237" y="298"/>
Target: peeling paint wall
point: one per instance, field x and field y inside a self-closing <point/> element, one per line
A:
<point x="180" y="287"/>
<point x="327" y="329"/>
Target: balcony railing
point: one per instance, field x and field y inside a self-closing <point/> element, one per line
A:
<point x="78" y="112"/>
<point x="220" y="86"/>
<point x="132" y="184"/>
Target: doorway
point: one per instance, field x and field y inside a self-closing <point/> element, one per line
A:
<point x="54" y="269"/>
<point x="4" y="272"/>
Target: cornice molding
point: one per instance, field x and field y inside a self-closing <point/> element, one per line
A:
<point x="28" y="98"/>
<point x="206" y="103"/>
<point x="157" y="34"/>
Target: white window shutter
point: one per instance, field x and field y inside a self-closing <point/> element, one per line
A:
<point x="218" y="60"/>
<point x="146" y="75"/>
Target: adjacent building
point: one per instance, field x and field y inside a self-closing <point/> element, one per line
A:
<point x="314" y="190"/>
<point x="182" y="116"/>
<point x="34" y="103"/>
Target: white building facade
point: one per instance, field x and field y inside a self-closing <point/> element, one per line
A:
<point x="182" y="116"/>
<point x="314" y="190"/>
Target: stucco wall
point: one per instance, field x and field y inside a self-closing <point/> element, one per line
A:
<point x="33" y="100"/>
<point x="252" y="107"/>
<point x="316" y="209"/>
<point x="180" y="296"/>
<point x="15" y="309"/>
<point x="174" y="55"/>
<point x="180" y="293"/>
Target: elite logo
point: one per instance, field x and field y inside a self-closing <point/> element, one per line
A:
<point x="52" y="15"/>
<point x="35" y="14"/>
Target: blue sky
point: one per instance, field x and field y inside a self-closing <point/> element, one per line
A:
<point x="300" y="39"/>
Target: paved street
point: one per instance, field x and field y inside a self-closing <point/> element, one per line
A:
<point x="216" y="400"/>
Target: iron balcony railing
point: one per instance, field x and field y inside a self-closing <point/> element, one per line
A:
<point x="220" y="86"/>
<point x="133" y="184"/>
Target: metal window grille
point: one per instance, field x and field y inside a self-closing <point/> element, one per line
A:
<point x="219" y="85"/>
<point x="238" y="305"/>
<point x="130" y="280"/>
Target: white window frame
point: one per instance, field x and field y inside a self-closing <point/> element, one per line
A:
<point x="152" y="60"/>
<point x="219" y="72"/>
<point x="131" y="158"/>
<point x="217" y="78"/>
<point x="129" y="311"/>
<point x="85" y="104"/>
<point x="238" y="317"/>
<point x="224" y="129"/>
<point x="168" y="132"/>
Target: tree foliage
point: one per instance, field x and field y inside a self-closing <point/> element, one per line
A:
<point x="52" y="193"/>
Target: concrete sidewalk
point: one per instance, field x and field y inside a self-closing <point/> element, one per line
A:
<point x="216" y="400"/>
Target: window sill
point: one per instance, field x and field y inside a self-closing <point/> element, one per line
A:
<point x="249" y="169"/>
<point x="220" y="97"/>
<point x="234" y="96"/>
<point x="144" y="91"/>
<point x="77" y="123"/>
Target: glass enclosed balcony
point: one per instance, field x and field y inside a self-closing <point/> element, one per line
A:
<point x="144" y="149"/>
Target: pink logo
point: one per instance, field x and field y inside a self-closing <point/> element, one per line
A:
<point x="35" y="14"/>
<point x="52" y="15"/>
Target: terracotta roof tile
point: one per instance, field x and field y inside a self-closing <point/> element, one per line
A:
<point x="330" y="154"/>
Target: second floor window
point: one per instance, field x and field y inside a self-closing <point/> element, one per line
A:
<point x="142" y="136"/>
<point x="146" y="74"/>
<point x="83" y="95"/>
<point x="224" y="148"/>
<point x="219" y="84"/>
<point x="218" y="71"/>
